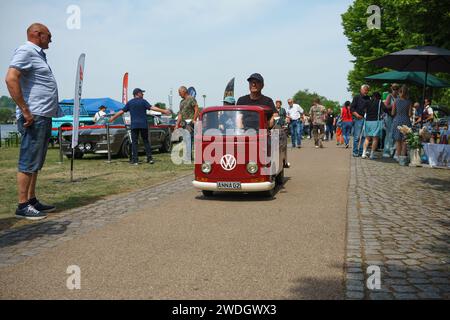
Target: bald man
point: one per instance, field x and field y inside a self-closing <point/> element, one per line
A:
<point x="33" y="87"/>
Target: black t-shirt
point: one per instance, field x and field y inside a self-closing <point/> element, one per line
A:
<point x="360" y="104"/>
<point x="330" y="120"/>
<point x="372" y="110"/>
<point x="262" y="101"/>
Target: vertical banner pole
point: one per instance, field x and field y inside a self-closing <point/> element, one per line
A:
<point x="109" y="142"/>
<point x="76" y="108"/>
<point x="60" y="145"/>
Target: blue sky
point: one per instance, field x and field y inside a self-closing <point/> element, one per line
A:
<point x="164" y="44"/>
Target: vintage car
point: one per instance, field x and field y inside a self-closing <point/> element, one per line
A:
<point x="237" y="152"/>
<point x="66" y="121"/>
<point x="93" y="139"/>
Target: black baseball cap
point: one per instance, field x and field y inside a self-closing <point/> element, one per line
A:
<point x="257" y="77"/>
<point x="137" y="90"/>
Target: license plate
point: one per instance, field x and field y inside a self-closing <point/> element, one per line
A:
<point x="229" y="185"/>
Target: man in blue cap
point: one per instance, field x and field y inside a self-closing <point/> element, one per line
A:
<point x="256" y="98"/>
<point x="138" y="108"/>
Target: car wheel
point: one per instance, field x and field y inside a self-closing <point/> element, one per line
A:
<point x="280" y="178"/>
<point x="269" y="194"/>
<point x="207" y="194"/>
<point x="167" y="145"/>
<point x="125" y="149"/>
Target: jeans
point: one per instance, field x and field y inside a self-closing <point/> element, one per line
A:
<point x="389" y="140"/>
<point x="358" y="137"/>
<point x="34" y="145"/>
<point x="135" y="137"/>
<point x="296" y="133"/>
<point x="346" y="131"/>
<point x="330" y="132"/>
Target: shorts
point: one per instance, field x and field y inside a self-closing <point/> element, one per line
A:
<point x="34" y="144"/>
<point x="374" y="128"/>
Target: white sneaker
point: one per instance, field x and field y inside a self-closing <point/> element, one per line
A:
<point x="364" y="156"/>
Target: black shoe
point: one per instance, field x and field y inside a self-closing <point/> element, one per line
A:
<point x="30" y="213"/>
<point x="44" y="208"/>
<point x="150" y="160"/>
<point x="134" y="163"/>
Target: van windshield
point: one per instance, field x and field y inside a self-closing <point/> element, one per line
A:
<point x="231" y="122"/>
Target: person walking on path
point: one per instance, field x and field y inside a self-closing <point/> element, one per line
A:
<point x="282" y="113"/>
<point x="402" y="112"/>
<point x="318" y="117"/>
<point x="295" y="114"/>
<point x="358" y="107"/>
<point x="347" y="123"/>
<point x="374" y="125"/>
<point x="330" y="125"/>
<point x="307" y="125"/>
<point x="33" y="88"/>
<point x="339" y="136"/>
<point x="138" y="108"/>
<point x="389" y="140"/>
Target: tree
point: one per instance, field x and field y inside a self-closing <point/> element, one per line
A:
<point x="6" y="115"/>
<point x="7" y="103"/>
<point x="306" y="99"/>
<point x="404" y="24"/>
<point x="160" y="105"/>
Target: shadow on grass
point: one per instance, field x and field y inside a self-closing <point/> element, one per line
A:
<point x="33" y="231"/>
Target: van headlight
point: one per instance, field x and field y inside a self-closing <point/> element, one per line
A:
<point x="252" y="168"/>
<point x="206" y="168"/>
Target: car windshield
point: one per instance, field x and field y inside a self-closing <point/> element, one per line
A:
<point x="104" y="120"/>
<point x="67" y="110"/>
<point x="231" y="122"/>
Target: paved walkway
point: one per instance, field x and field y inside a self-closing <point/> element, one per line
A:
<point x="314" y="241"/>
<point x="183" y="246"/>
<point x="398" y="220"/>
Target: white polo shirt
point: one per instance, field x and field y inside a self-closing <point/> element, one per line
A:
<point x="295" y="112"/>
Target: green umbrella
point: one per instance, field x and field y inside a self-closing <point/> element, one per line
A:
<point x="410" y="77"/>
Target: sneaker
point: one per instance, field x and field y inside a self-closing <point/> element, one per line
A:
<point x="134" y="163"/>
<point x="30" y="213"/>
<point x="355" y="155"/>
<point x="44" y="208"/>
<point x="364" y="156"/>
<point x="299" y="147"/>
<point x="373" y="157"/>
<point x="150" y="160"/>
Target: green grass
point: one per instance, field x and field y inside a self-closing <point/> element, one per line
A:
<point x="94" y="179"/>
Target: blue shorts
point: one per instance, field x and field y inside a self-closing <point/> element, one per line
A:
<point x="34" y="145"/>
<point x="374" y="128"/>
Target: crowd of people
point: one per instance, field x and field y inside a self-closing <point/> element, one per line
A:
<point x="372" y="121"/>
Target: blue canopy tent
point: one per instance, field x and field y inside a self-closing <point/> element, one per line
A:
<point x="92" y="105"/>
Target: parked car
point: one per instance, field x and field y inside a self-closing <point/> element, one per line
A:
<point x="93" y="139"/>
<point x="242" y="158"/>
<point x="67" y="120"/>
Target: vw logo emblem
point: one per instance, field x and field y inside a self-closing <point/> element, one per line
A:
<point x="228" y="162"/>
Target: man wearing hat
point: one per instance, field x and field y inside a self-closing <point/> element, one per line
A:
<point x="138" y="108"/>
<point x="256" y="98"/>
<point x="229" y="101"/>
<point x="100" y="114"/>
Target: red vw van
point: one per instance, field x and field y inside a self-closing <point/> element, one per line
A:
<point x="236" y="151"/>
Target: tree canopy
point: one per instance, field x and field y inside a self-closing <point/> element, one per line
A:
<point x="7" y="103"/>
<point x="305" y="99"/>
<point x="404" y="24"/>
